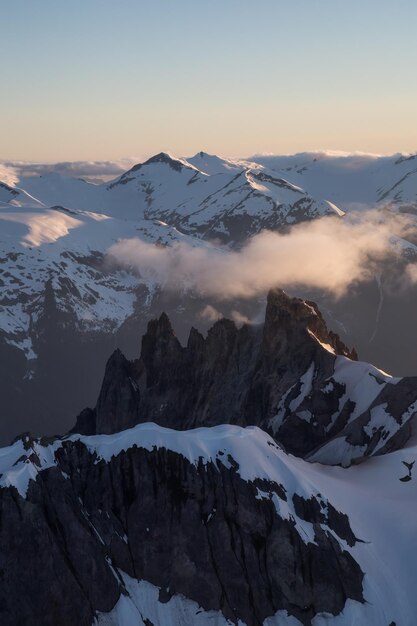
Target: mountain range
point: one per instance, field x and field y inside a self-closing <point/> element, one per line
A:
<point x="64" y="307"/>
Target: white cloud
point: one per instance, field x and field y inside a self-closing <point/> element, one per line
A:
<point x="12" y="171"/>
<point x="330" y="253"/>
<point x="239" y="318"/>
<point x="210" y="313"/>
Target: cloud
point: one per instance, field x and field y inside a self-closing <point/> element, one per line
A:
<point x="323" y="153"/>
<point x="411" y="273"/>
<point x="8" y="174"/>
<point x="329" y="253"/>
<point x="210" y="313"/>
<point x="239" y="318"/>
<point x="91" y="170"/>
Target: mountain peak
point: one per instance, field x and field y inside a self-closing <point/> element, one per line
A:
<point x="290" y="316"/>
<point x="164" y="157"/>
<point x="161" y="327"/>
<point x="212" y="164"/>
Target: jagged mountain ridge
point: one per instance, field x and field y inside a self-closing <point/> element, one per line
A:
<point x="291" y="377"/>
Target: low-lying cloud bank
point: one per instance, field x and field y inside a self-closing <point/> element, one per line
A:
<point x="330" y="253"/>
<point x="12" y="171"/>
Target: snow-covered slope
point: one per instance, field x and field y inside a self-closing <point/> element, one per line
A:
<point x="66" y="249"/>
<point x="212" y="164"/>
<point x="380" y="506"/>
<point x="15" y="197"/>
<point x="367" y="511"/>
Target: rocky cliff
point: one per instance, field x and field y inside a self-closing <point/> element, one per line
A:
<point x="291" y="377"/>
<point x="80" y="513"/>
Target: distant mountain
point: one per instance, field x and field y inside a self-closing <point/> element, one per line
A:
<point x="231" y="202"/>
<point x="212" y="164"/>
<point x="351" y="181"/>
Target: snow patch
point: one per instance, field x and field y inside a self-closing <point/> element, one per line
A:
<point x="142" y="603"/>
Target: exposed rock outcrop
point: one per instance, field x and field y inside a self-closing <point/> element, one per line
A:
<point x="292" y="377"/>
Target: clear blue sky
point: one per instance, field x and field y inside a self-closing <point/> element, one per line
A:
<point x="100" y="79"/>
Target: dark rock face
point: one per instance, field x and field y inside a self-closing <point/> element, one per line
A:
<point x="199" y="530"/>
<point x="119" y="392"/>
<point x="48" y="551"/>
<point x="290" y="346"/>
<point x="234" y="375"/>
<point x="279" y="376"/>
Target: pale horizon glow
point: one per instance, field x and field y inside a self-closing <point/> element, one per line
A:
<point x="101" y="80"/>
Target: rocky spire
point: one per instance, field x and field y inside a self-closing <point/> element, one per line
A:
<point x="292" y="377"/>
<point x="293" y="324"/>
<point x="118" y="405"/>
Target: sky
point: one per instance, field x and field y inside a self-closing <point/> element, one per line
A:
<point x="99" y="79"/>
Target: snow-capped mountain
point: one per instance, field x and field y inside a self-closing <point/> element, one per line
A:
<point x="151" y="525"/>
<point x="353" y="180"/>
<point x="349" y="181"/>
<point x="210" y="204"/>
<point x="64" y="307"/>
